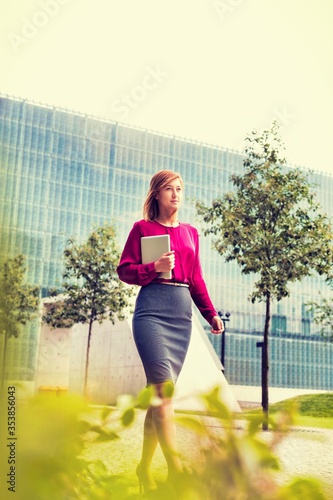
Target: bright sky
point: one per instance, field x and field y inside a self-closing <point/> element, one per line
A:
<point x="206" y="70"/>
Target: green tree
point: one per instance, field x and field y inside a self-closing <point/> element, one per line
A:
<point x="19" y="301"/>
<point x="91" y="290"/>
<point x="270" y="225"/>
<point x="323" y="314"/>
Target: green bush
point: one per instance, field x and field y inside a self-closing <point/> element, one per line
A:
<point x="54" y="432"/>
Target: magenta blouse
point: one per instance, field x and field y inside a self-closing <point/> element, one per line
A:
<point x="184" y="240"/>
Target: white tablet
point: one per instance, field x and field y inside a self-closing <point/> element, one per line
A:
<point x="152" y="247"/>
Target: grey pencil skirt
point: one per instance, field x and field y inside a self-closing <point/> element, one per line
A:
<point x="162" y="325"/>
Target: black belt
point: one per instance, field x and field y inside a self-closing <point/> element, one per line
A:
<point x="174" y="283"/>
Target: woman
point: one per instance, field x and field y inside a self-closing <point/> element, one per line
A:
<point x="162" y="317"/>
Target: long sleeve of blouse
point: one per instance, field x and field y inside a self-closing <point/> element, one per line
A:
<point x="184" y="240"/>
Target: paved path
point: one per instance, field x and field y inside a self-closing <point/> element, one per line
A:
<point x="308" y="452"/>
<point x="303" y="452"/>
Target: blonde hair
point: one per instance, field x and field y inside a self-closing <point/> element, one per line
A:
<point x="158" y="181"/>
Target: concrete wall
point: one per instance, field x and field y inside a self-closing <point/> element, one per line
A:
<point x="54" y="356"/>
<point x="114" y="368"/>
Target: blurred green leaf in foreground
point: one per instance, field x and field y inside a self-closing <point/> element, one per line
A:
<point x="226" y="462"/>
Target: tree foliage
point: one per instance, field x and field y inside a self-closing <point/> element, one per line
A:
<point x="19" y="300"/>
<point x="91" y="290"/>
<point x="270" y="224"/>
<point x="323" y="314"/>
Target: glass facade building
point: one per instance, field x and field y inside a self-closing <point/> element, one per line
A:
<point x="62" y="172"/>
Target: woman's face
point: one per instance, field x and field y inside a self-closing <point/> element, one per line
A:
<point x="169" y="197"/>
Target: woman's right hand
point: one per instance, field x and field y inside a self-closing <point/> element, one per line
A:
<point x="165" y="263"/>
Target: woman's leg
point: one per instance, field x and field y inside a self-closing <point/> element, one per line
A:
<point x="159" y="427"/>
<point x="150" y="441"/>
<point x="165" y="427"/>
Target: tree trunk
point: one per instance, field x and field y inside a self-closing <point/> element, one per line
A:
<point x="85" y="387"/>
<point x="3" y="370"/>
<point x="265" y="367"/>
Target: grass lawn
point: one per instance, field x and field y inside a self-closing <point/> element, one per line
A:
<point x="311" y="410"/>
<point x="318" y="422"/>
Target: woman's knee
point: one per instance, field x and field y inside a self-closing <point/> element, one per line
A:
<point x="164" y="390"/>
